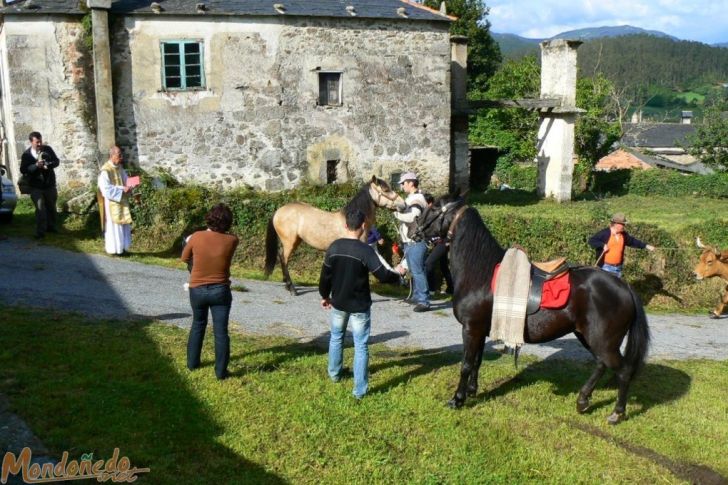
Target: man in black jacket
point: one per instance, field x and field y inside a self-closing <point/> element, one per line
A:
<point x="39" y="162"/>
<point x="344" y="289"/>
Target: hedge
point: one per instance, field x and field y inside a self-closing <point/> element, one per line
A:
<point x="163" y="216"/>
<point x="661" y="182"/>
<point x="623" y="182"/>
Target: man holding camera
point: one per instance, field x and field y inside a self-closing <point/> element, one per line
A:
<point x="38" y="162"/>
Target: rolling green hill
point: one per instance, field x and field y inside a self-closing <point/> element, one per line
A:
<point x="592" y="33"/>
<point x="650" y="68"/>
<point x="514" y="46"/>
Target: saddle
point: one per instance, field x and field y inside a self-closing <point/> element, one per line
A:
<point x="540" y="273"/>
<point x="552" y="275"/>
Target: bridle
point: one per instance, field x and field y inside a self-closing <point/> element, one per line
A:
<point x="455" y="220"/>
<point x="441" y="214"/>
<point x="392" y="196"/>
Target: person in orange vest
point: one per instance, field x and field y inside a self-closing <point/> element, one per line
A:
<point x="609" y="245"/>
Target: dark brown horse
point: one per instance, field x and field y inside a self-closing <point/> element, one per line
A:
<point x="298" y="221"/>
<point x="601" y="310"/>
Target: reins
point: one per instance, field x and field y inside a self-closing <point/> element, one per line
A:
<point x="456" y="219"/>
<point x="664" y="248"/>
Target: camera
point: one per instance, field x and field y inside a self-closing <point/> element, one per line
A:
<point x="43" y="158"/>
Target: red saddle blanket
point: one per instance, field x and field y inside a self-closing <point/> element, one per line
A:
<point x="555" y="292"/>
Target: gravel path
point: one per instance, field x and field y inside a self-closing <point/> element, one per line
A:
<point x="99" y="286"/>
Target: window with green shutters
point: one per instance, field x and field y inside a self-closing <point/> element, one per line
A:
<point x="182" y="65"/>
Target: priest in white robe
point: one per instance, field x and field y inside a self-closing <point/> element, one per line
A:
<point x="116" y="219"/>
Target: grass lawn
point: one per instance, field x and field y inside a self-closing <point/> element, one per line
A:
<point x="690" y="96"/>
<point x="92" y="386"/>
<point x="669" y="213"/>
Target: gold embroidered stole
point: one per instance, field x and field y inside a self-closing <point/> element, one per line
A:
<point x="119" y="211"/>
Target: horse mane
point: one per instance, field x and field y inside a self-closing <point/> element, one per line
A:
<point x="474" y="251"/>
<point x="383" y="185"/>
<point x="362" y="201"/>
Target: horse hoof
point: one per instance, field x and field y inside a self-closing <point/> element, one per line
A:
<point x="455" y="404"/>
<point x="713" y="315"/>
<point x="582" y="406"/>
<point x="616" y="418"/>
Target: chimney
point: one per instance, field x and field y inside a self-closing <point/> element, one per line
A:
<point x="686" y="117"/>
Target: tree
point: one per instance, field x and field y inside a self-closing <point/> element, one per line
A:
<point x="512" y="130"/>
<point x="709" y="143"/>
<point x="484" y="55"/>
<point x="598" y="128"/>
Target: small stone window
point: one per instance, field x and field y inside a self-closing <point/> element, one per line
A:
<point x="394" y="179"/>
<point x="331" y="167"/>
<point x="329" y="89"/>
<point x="182" y="65"/>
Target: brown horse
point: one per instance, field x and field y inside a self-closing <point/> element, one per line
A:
<point x="297" y="221"/>
<point x="601" y="311"/>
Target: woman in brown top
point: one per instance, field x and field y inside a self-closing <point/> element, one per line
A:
<point x="212" y="251"/>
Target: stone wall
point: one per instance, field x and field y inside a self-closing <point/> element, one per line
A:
<point x="48" y="87"/>
<point x="257" y="123"/>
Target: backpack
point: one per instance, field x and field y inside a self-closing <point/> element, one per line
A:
<point x="24" y="184"/>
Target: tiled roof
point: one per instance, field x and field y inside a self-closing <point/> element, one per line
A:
<point x="620" y="160"/>
<point x="656" y="135"/>
<point x="625" y="158"/>
<point x="380" y="9"/>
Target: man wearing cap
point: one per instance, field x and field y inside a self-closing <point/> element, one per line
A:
<point x="415" y="252"/>
<point x="609" y="245"/>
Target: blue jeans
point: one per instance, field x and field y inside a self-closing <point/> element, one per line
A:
<point x="216" y="299"/>
<point x="360" y="326"/>
<point x="416" y="252"/>
<point x="614" y="269"/>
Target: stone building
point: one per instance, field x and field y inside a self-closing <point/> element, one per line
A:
<point x="234" y="92"/>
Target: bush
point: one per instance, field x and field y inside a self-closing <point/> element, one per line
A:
<point x="522" y="176"/>
<point x="164" y="215"/>
<point x="661" y="182"/>
<point x="615" y="182"/>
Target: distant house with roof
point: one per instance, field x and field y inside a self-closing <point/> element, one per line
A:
<point x="659" y="145"/>
<point x="266" y="94"/>
<point x="623" y="159"/>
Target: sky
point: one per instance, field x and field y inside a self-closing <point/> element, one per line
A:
<point x="699" y="20"/>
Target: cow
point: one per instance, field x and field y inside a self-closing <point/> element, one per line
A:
<point x="713" y="262"/>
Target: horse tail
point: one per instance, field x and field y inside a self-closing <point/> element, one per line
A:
<point x="271" y="248"/>
<point x="638" y="340"/>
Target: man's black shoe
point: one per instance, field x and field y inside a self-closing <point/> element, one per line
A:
<point x="421" y="308"/>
